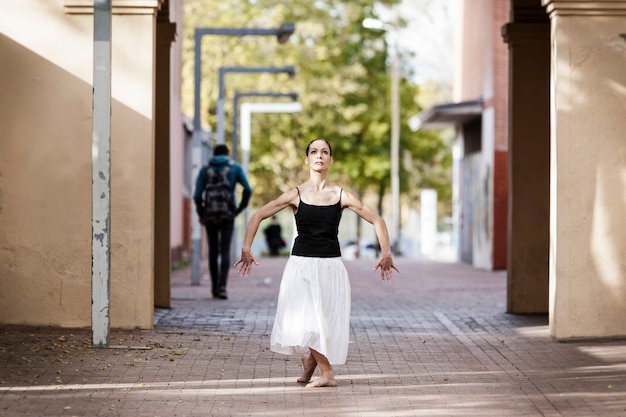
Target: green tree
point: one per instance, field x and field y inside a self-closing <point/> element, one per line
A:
<point x="343" y="84"/>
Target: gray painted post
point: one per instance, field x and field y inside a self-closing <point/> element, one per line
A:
<point x="101" y="175"/>
<point x="196" y="161"/>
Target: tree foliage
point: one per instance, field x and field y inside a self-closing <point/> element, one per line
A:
<point x="343" y="84"/>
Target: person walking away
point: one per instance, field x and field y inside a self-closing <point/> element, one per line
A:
<point x="216" y="206"/>
<point x="313" y="309"/>
<point x="274" y="237"/>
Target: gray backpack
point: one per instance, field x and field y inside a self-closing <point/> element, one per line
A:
<point x="217" y="199"/>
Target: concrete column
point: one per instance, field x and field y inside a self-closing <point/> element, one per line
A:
<point x="166" y="32"/>
<point x="529" y="166"/>
<point x="587" y="169"/>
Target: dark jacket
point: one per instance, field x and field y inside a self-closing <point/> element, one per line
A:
<point x="235" y="175"/>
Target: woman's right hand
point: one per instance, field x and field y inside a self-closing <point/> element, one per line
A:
<point x="246" y="261"/>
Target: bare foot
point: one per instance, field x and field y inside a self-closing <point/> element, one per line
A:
<point x="323" y="382"/>
<point x="309" y="365"/>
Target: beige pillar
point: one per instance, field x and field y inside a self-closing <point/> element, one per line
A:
<point x="166" y="32"/>
<point x="529" y="165"/>
<point x="45" y="186"/>
<point x="588" y="169"/>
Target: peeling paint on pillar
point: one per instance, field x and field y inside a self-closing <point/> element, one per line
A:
<point x="101" y="169"/>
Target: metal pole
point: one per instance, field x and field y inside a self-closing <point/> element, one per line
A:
<point x="235" y="136"/>
<point x="282" y="33"/>
<point x="238" y="95"/>
<point x="196" y="161"/>
<point x="290" y="69"/>
<point x="236" y="247"/>
<point x="101" y="176"/>
<point x="220" y="106"/>
<point x="246" y="110"/>
<point x="395" y="144"/>
<point x="391" y="31"/>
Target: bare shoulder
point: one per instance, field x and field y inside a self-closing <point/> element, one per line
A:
<point x="352" y="202"/>
<point x="348" y="199"/>
<point x="289" y="197"/>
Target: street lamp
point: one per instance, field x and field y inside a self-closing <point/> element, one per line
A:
<point x="246" y="111"/>
<point x="238" y="95"/>
<point x="290" y="69"/>
<point x="282" y="34"/>
<point x="370" y="23"/>
<point x="246" y="138"/>
<point x="245" y="158"/>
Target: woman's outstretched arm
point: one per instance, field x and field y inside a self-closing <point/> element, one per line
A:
<point x="385" y="263"/>
<point x="287" y="199"/>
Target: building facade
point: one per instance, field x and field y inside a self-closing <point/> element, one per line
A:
<point x="479" y="116"/>
<point x="46" y="73"/>
<point x="541" y="158"/>
<point x="545" y="135"/>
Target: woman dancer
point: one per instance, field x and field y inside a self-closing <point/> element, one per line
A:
<point x="313" y="310"/>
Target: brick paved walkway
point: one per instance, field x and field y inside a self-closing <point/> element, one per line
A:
<point x="436" y="342"/>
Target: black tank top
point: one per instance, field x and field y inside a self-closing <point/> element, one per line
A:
<point x="318" y="227"/>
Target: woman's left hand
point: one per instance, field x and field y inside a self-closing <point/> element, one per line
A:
<point x="246" y="261"/>
<point x="385" y="263"/>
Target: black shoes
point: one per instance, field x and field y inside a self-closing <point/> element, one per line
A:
<point x="221" y="295"/>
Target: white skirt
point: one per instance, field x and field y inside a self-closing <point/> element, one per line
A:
<point x="313" y="309"/>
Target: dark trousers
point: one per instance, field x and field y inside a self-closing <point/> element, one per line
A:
<point x="219" y="237"/>
<point x="274" y="250"/>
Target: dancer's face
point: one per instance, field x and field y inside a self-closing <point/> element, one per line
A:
<point x="319" y="155"/>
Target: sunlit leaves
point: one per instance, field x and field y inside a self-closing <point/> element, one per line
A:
<point x="343" y="84"/>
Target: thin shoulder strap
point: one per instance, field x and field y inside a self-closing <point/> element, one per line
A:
<point x="299" y="198"/>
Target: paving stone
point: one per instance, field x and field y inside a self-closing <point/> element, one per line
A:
<point x="435" y="342"/>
